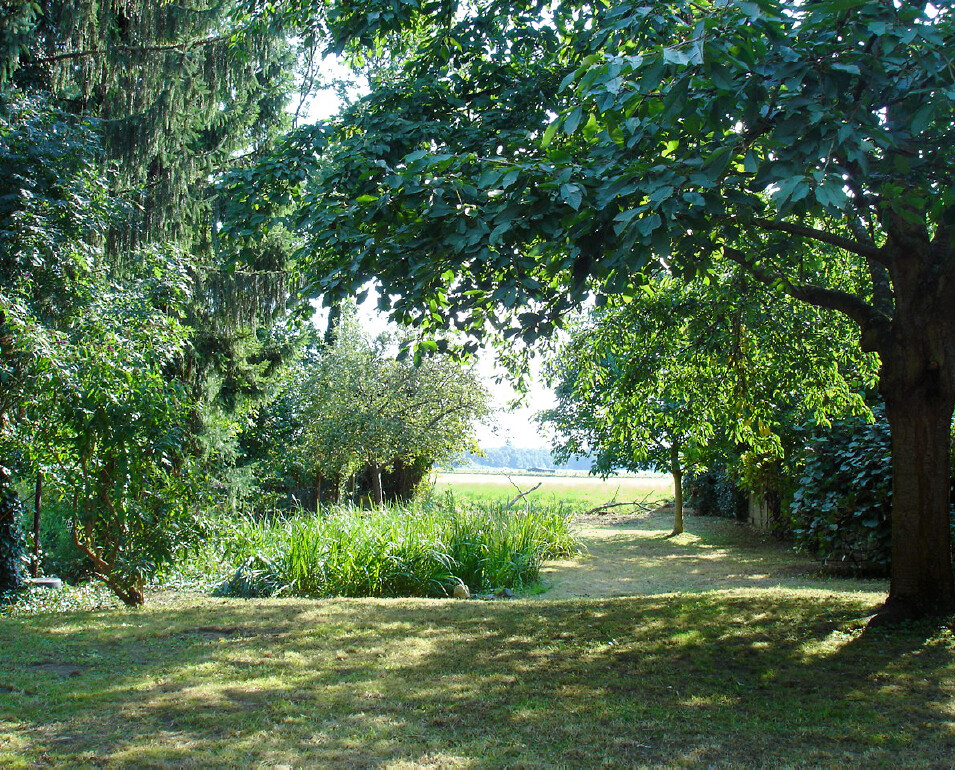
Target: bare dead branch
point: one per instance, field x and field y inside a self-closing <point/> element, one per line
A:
<point x="644" y="505"/>
<point x="522" y="494"/>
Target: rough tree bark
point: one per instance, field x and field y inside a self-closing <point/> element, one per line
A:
<point x="917" y="349"/>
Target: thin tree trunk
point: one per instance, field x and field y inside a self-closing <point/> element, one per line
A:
<point x="377" y="493"/>
<point x="676" y="470"/>
<point x="318" y="492"/>
<point x="37" y="503"/>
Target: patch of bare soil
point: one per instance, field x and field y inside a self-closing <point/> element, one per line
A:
<point x="631" y="555"/>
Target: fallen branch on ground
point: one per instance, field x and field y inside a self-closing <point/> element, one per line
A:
<point x="644" y="505"/>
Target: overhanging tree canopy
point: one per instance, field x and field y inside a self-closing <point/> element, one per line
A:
<point x="522" y="153"/>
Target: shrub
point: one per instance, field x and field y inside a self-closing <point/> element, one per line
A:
<point x="60" y="555"/>
<point x="714" y="492"/>
<point x="12" y="544"/>
<point x="841" y="510"/>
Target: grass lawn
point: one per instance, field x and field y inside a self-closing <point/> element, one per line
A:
<point x="757" y="673"/>
<point x="575" y="492"/>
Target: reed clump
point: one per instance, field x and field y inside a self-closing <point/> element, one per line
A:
<point x="422" y="549"/>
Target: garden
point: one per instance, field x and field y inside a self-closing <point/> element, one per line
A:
<point x="255" y="258"/>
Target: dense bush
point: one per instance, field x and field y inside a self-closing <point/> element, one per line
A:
<point x="841" y="510"/>
<point x="714" y="492"/>
<point x="424" y="549"/>
<point x="12" y="544"/>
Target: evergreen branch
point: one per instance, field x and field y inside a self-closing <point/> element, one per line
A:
<point x="143" y="49"/>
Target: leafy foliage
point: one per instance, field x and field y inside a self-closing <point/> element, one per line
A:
<point x="519" y="158"/>
<point x="841" y="510"/>
<point x="131" y="344"/>
<point x="12" y="544"/>
<point x="680" y="377"/>
<point x="714" y="492"/>
<point x="114" y="444"/>
<point x="354" y="406"/>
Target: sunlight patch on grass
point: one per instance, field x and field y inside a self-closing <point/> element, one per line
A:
<point x="685" y="538"/>
<point x="700" y="675"/>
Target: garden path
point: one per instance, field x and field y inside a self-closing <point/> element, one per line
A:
<point x="633" y="555"/>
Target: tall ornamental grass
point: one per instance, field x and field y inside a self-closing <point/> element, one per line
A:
<point x="423" y="549"/>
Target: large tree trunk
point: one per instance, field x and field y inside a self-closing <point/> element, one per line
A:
<point x="922" y="581"/>
<point x="918" y="384"/>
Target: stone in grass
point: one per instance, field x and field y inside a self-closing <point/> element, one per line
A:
<point x="53" y="583"/>
<point x="461" y="591"/>
<point x="504" y="593"/>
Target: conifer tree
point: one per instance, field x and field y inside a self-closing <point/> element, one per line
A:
<point x="168" y="97"/>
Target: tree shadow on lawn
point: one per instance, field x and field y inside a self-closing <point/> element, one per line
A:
<point x="743" y="677"/>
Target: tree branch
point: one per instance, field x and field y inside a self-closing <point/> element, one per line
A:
<point x="522" y="494"/>
<point x="869" y="251"/>
<point x="644" y="505"/>
<point x="850" y="305"/>
<point x="140" y="49"/>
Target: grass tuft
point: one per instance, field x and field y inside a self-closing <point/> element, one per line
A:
<point x="424" y="549"/>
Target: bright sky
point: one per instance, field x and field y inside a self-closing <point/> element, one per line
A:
<point x="514" y="426"/>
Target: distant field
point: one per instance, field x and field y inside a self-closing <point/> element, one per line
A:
<point x="574" y="491"/>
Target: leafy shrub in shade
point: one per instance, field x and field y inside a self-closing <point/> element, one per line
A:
<point x="423" y="549"/>
<point x="12" y="544"/>
<point x="715" y="493"/>
<point x="60" y="555"/>
<point x="841" y="510"/>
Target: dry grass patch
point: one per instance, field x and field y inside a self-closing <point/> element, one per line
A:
<point x="630" y="555"/>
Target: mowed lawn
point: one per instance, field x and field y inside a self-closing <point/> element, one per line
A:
<point x="782" y="673"/>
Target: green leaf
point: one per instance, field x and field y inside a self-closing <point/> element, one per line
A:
<point x="510" y="177"/>
<point x="572" y="195"/>
<point x="831" y="195"/>
<point x="549" y="133"/>
<point x="677" y="56"/>
<point x="572" y="120"/>
<point x="647" y="225"/>
<point x="624" y="218"/>
<point x="496" y="234"/>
